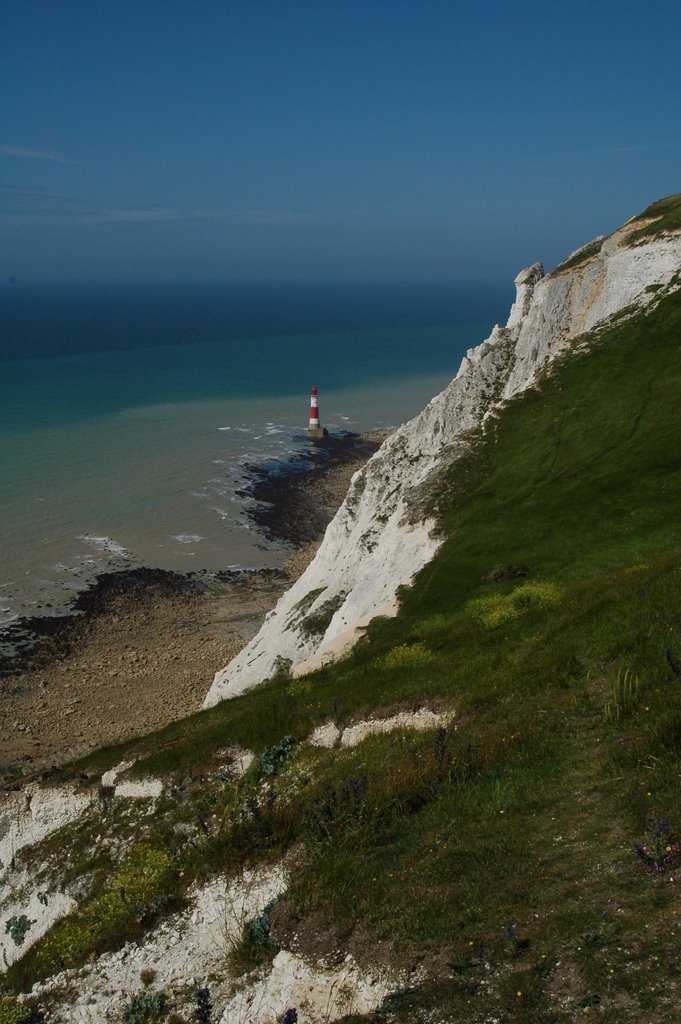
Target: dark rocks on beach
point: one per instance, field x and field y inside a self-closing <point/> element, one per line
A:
<point x="295" y="501"/>
<point x="291" y="502"/>
<point x="139" y="647"/>
<point x="38" y="640"/>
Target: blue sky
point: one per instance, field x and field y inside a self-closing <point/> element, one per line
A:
<point x="355" y="140"/>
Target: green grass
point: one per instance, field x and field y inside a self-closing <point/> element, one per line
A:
<point x="137" y="890"/>
<point x="581" y="256"/>
<point x="526" y="857"/>
<point x="666" y="214"/>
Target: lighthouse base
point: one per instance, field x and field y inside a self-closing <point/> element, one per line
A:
<point x="317" y="433"/>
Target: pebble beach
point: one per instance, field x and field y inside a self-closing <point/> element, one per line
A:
<point x="142" y="648"/>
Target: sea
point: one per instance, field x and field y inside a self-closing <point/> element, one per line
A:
<point x="130" y="413"/>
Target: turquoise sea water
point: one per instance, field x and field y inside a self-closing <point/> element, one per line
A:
<point x="128" y="413"/>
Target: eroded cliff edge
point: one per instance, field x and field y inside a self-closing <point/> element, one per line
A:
<point x="377" y="542"/>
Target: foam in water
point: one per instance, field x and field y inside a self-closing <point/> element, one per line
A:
<point x="107" y="544"/>
<point x="128" y="420"/>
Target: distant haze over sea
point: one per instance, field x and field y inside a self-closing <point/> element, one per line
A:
<point x="128" y="411"/>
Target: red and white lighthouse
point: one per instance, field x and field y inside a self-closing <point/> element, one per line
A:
<point x="314" y="431"/>
<point x="314" y="409"/>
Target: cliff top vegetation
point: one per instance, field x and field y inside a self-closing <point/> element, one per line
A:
<point x="664" y="215"/>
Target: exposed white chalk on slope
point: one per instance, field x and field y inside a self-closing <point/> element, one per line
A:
<point x="194" y="943"/>
<point x="322" y="993"/>
<point x="373" y="546"/>
<point x="329" y="735"/>
<point x="39" y="908"/>
<point x="29" y="815"/>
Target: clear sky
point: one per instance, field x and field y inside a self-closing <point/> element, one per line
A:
<point x="360" y="139"/>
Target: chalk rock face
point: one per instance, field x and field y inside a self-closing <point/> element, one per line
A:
<point x="31" y="814"/>
<point x="325" y="993"/>
<point x="378" y="541"/>
<point x="524" y="287"/>
<point x="191" y="944"/>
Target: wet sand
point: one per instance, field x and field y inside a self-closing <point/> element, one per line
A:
<point x="145" y="644"/>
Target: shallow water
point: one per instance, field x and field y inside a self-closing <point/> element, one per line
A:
<point x="128" y="415"/>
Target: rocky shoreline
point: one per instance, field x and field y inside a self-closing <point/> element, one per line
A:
<point x="142" y="645"/>
<point x="296" y="500"/>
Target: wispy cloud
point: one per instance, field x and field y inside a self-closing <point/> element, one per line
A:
<point x="31" y="193"/>
<point x="41" y="208"/>
<point x="35" y="208"/>
<point x="26" y="153"/>
<point x="31" y="202"/>
<point x="272" y="217"/>
<point x="133" y="215"/>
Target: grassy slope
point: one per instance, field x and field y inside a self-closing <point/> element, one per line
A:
<point x="665" y="215"/>
<point x="499" y="856"/>
<point x="581" y="483"/>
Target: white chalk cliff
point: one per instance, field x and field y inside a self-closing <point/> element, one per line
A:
<point x="376" y="543"/>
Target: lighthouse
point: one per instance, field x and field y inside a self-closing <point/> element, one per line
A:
<point x="314" y="431"/>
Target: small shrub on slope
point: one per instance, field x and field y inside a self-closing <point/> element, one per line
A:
<point x="144" y="1008"/>
<point x="141" y="886"/>
<point x="660" y="849"/>
<point x="203" y="1011"/>
<point x="497" y="609"/>
<point x="12" y="1012"/>
<point x="17" y="928"/>
<point x="271" y="760"/>
<point x="406" y="656"/>
<point x="255" y="944"/>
